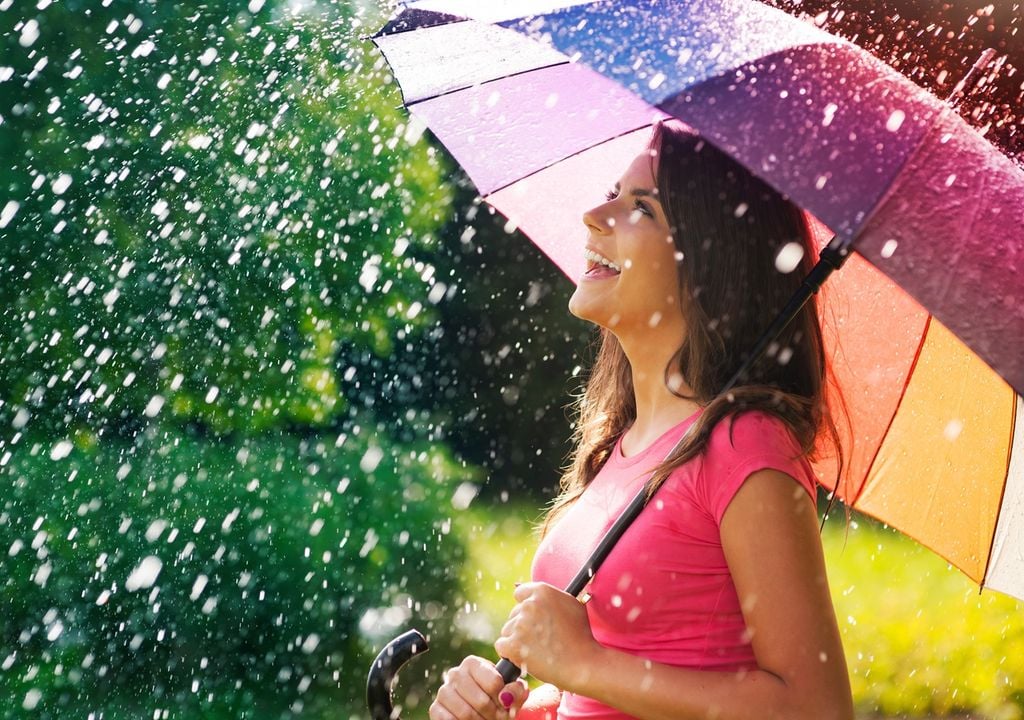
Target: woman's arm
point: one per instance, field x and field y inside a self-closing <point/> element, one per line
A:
<point x="771" y="542"/>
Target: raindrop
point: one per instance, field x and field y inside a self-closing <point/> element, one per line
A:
<point x="55" y="631"/>
<point x="656" y="81"/>
<point x="371" y="459"/>
<point x="310" y="643"/>
<point x="144" y="49"/>
<point x="61" y="184"/>
<point x="830" y="113"/>
<point x="61" y="450"/>
<point x="32" y="698"/>
<point x="29" y="34"/>
<point x="8" y="213"/>
<point x="144" y="574"/>
<point x="155" y="530"/>
<point x="789" y="256"/>
<point x="198" y="586"/>
<point x="154" y="405"/>
<point x="208" y="56"/>
<point x="464" y="495"/>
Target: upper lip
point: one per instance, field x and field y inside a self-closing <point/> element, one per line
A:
<point x="591" y="248"/>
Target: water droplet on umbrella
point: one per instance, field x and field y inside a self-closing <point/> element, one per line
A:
<point x="953" y="429"/>
<point x="895" y="121"/>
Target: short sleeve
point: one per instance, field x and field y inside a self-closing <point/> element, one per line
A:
<point x="759" y="440"/>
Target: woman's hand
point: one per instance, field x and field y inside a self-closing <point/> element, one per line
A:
<point x="475" y="691"/>
<point x="548" y="635"/>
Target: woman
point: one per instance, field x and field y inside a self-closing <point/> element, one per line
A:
<point x="715" y="603"/>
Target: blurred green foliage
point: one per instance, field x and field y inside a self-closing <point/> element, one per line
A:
<point x="207" y="206"/>
<point x="207" y="212"/>
<point x="190" y="575"/>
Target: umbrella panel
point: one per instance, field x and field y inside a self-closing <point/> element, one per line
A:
<point x="510" y="128"/>
<point x="1006" y="563"/>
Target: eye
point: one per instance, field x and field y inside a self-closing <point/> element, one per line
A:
<point x="637" y="205"/>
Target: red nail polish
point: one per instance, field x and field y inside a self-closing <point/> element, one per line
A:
<point x="506" y="699"/>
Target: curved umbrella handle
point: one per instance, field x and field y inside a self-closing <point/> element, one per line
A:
<point x="385" y="669"/>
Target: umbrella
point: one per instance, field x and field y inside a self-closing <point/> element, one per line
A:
<point x="545" y="99"/>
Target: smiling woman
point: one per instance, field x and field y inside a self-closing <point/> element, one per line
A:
<point x="715" y="602"/>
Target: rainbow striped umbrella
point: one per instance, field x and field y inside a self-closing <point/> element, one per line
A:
<point x="544" y="102"/>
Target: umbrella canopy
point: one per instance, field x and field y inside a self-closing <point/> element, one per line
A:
<point x="925" y="324"/>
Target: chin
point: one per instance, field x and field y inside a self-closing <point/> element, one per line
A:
<point x="591" y="311"/>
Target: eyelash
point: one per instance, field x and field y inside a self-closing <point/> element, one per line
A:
<point x="610" y="195"/>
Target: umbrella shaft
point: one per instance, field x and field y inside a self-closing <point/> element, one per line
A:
<point x="830" y="259"/>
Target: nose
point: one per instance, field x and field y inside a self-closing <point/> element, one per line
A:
<point x="598" y="220"/>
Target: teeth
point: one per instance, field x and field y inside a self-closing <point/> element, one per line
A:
<point x="600" y="259"/>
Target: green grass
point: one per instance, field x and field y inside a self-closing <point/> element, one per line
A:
<point x="920" y="639"/>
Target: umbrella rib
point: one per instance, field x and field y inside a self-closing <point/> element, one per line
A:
<point x="486" y="82"/>
<point x="570" y="155"/>
<point x="892" y="418"/>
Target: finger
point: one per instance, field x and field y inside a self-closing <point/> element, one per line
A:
<point x="524" y="591"/>
<point x="506" y="649"/>
<point x="438" y="711"/>
<point x="509" y="627"/>
<point x="486" y="675"/>
<point x="454" y="700"/>
<point x="515" y="693"/>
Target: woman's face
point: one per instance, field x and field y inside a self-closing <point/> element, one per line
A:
<point x="639" y="292"/>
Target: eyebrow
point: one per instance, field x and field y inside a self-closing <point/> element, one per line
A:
<point x="640" y="192"/>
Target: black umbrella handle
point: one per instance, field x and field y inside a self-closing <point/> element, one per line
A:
<point x="385" y="669"/>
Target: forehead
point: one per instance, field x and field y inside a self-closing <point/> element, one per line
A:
<point x="638" y="174"/>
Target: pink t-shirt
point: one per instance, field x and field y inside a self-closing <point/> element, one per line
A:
<point x="665" y="592"/>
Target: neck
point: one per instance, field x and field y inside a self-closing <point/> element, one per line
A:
<point x="657" y="408"/>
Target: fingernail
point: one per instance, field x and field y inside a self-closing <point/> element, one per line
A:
<point x="506" y="699"/>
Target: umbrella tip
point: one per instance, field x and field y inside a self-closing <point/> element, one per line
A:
<point x="970" y="78"/>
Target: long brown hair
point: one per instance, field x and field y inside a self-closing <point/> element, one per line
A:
<point x="728" y="227"/>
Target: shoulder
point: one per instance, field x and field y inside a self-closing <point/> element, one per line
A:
<point x="751" y="432"/>
<point x="742" y="444"/>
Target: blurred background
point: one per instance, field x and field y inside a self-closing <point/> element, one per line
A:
<point x="275" y="385"/>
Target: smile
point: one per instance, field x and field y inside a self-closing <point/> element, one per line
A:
<point x="597" y="260"/>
